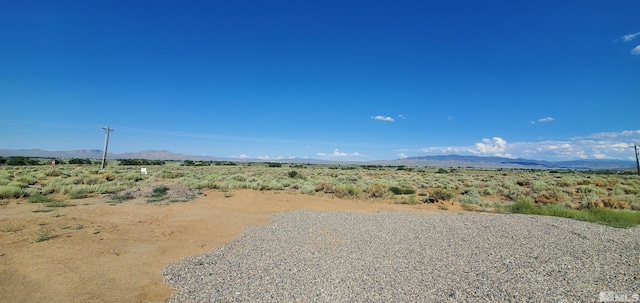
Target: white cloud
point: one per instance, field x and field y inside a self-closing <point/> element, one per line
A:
<point x="495" y="147"/>
<point x="630" y="37"/>
<point x="401" y="117"/>
<point x="241" y="156"/>
<point x="636" y="50"/>
<point x="402" y="156"/>
<point x="542" y="120"/>
<point x="337" y="154"/>
<point x="603" y="145"/>
<point x="600" y="156"/>
<point x="382" y="118"/>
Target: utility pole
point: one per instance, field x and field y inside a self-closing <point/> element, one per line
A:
<point x="107" y="130"/>
<point x="635" y="149"/>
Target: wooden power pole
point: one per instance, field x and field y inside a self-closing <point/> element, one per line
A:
<point x="635" y="149"/>
<point x="107" y="130"/>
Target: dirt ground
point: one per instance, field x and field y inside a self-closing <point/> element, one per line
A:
<point x="114" y="253"/>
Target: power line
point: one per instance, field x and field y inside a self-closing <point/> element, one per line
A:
<point x="107" y="130"/>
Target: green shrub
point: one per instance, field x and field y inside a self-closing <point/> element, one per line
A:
<point x="11" y="191"/>
<point x="377" y="191"/>
<point x="402" y="191"/>
<point x="40" y="198"/>
<point x="119" y="198"/>
<point x="21" y="161"/>
<point x="440" y="194"/>
<point x="45" y="235"/>
<point x="523" y="205"/>
<point x="294" y="174"/>
<point x="167" y="174"/>
<point x="159" y="191"/>
<point x="75" y="191"/>
<point x="470" y="199"/>
<point x="409" y="200"/>
<point x="348" y="191"/>
<point x="79" y="161"/>
<point x="610" y="217"/>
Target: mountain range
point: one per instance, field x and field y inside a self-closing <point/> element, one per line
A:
<point x="431" y="161"/>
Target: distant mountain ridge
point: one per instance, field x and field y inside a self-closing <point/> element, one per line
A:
<point x="431" y="161"/>
<point x="501" y="162"/>
<point x="97" y="154"/>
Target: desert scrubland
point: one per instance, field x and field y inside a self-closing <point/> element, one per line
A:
<point x="73" y="232"/>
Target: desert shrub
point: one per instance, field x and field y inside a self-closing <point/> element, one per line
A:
<point x="21" y="161"/>
<point x="139" y="162"/>
<point x="402" y="191"/>
<point x="443" y="170"/>
<point x="78" y="193"/>
<point x="440" y="194"/>
<point x="470" y="199"/>
<point x="119" y="198"/>
<point x="11" y="191"/>
<point x="135" y="177"/>
<point x="275" y="185"/>
<point x="540" y="186"/>
<point x="523" y="205"/>
<point x="566" y="183"/>
<point x="409" y="200"/>
<point x="158" y="193"/>
<point x="88" y="179"/>
<point x="52" y="172"/>
<point x="238" y="177"/>
<point x="625" y="189"/>
<point x="591" y="201"/>
<point x="45" y="235"/>
<point x="295" y="175"/>
<point x="377" y="191"/>
<point x="325" y="187"/>
<point x="488" y="191"/>
<point x="79" y="161"/>
<point x="610" y="202"/>
<point x="470" y="191"/>
<point x="549" y="197"/>
<point x="107" y="188"/>
<point x="108" y="176"/>
<point x="202" y="184"/>
<point x="307" y="188"/>
<point x="40" y="198"/>
<point x="167" y="174"/>
<point x="348" y="191"/>
<point x="24" y="180"/>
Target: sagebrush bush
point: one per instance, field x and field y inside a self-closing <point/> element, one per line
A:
<point x="402" y="191"/>
<point x="10" y="191"/>
<point x="348" y="191"/>
<point x="377" y="191"/>
<point x="470" y="199"/>
<point x="440" y="194"/>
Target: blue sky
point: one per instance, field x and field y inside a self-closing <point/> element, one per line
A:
<point x="339" y="80"/>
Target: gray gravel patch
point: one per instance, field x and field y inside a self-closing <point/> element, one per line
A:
<point x="318" y="256"/>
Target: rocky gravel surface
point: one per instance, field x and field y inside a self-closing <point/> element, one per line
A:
<point x="316" y="256"/>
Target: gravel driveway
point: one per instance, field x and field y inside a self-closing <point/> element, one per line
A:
<point x="317" y="256"/>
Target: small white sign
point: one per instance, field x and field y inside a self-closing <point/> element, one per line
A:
<point x="143" y="170"/>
